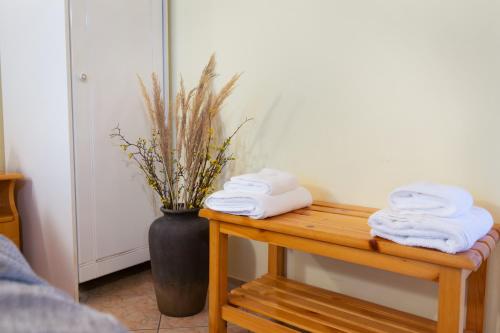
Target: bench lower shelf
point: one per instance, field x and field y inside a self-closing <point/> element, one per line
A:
<point x="297" y="307"/>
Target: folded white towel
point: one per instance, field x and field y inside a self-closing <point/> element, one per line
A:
<point x="258" y="206"/>
<point x="449" y="235"/>
<point x="431" y="199"/>
<point x="267" y="181"/>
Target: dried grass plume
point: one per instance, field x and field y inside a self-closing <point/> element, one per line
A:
<point x="182" y="158"/>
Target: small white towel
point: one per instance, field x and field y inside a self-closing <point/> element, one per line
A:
<point x="258" y="206"/>
<point x="449" y="235"/>
<point x="431" y="199"/>
<point x="267" y="181"/>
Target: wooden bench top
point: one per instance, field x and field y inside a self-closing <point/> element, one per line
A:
<point x="10" y="176"/>
<point x="347" y="225"/>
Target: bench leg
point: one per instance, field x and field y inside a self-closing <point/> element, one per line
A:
<point x="476" y="286"/>
<point x="451" y="301"/>
<point x="276" y="260"/>
<point x="217" y="289"/>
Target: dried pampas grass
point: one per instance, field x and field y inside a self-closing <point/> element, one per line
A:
<point x="182" y="158"/>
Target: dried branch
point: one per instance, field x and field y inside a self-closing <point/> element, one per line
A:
<point x="183" y="173"/>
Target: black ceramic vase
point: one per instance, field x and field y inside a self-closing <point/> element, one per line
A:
<point x="178" y="245"/>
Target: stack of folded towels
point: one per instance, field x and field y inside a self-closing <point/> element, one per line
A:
<point x="259" y="195"/>
<point x="432" y="215"/>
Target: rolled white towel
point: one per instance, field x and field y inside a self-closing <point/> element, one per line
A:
<point x="449" y="235"/>
<point x="258" y="206"/>
<point x="431" y="199"/>
<point x="267" y="181"/>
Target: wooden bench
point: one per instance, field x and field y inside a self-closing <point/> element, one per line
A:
<point x="276" y="304"/>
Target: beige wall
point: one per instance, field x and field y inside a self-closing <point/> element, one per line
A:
<point x="356" y="97"/>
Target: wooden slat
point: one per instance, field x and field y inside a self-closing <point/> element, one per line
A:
<point x="349" y="304"/>
<point x="325" y="226"/>
<point x="252" y="322"/>
<point x="468" y="260"/>
<point x="283" y="316"/>
<point x="318" y="310"/>
<point x="335" y="211"/>
<point x="344" y="222"/>
<point x="309" y="314"/>
<point x="367" y="258"/>
<point x="489" y="241"/>
<point x="345" y="206"/>
<point x="495" y="232"/>
<point x="483" y="249"/>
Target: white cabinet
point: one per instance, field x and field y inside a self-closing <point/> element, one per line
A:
<point x="69" y="76"/>
<point x="112" y="42"/>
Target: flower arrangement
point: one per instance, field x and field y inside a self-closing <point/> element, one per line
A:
<point x="183" y="157"/>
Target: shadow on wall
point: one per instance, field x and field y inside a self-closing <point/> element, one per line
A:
<point x="31" y="225"/>
<point x="243" y="250"/>
<point x="493" y="208"/>
<point x="33" y="228"/>
<point x="362" y="282"/>
<point x="249" y="153"/>
<point x="42" y="239"/>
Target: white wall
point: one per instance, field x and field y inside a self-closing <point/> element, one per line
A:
<point x="2" y="159"/>
<point x="356" y="97"/>
<point x="34" y="59"/>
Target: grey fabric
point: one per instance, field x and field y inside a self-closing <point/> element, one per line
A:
<point x="29" y="304"/>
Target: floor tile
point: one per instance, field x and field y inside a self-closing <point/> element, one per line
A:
<point x="200" y="319"/>
<point x="236" y="329"/>
<point x="184" y="330"/>
<point x="230" y="329"/>
<point x="134" y="312"/>
<point x="128" y="296"/>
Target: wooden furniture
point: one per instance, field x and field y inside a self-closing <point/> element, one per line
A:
<point x="9" y="218"/>
<point x="276" y="304"/>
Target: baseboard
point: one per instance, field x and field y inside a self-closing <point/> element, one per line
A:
<point x="95" y="269"/>
<point x="233" y="283"/>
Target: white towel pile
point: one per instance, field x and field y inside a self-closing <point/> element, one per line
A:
<point x="432" y="215"/>
<point x="260" y="195"/>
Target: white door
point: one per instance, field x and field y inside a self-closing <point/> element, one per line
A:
<point x="112" y="41"/>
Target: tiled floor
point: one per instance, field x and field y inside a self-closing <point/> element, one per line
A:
<point x="129" y="296"/>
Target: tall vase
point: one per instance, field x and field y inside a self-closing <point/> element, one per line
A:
<point x="178" y="245"/>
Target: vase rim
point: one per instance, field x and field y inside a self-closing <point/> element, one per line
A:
<point x="179" y="211"/>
